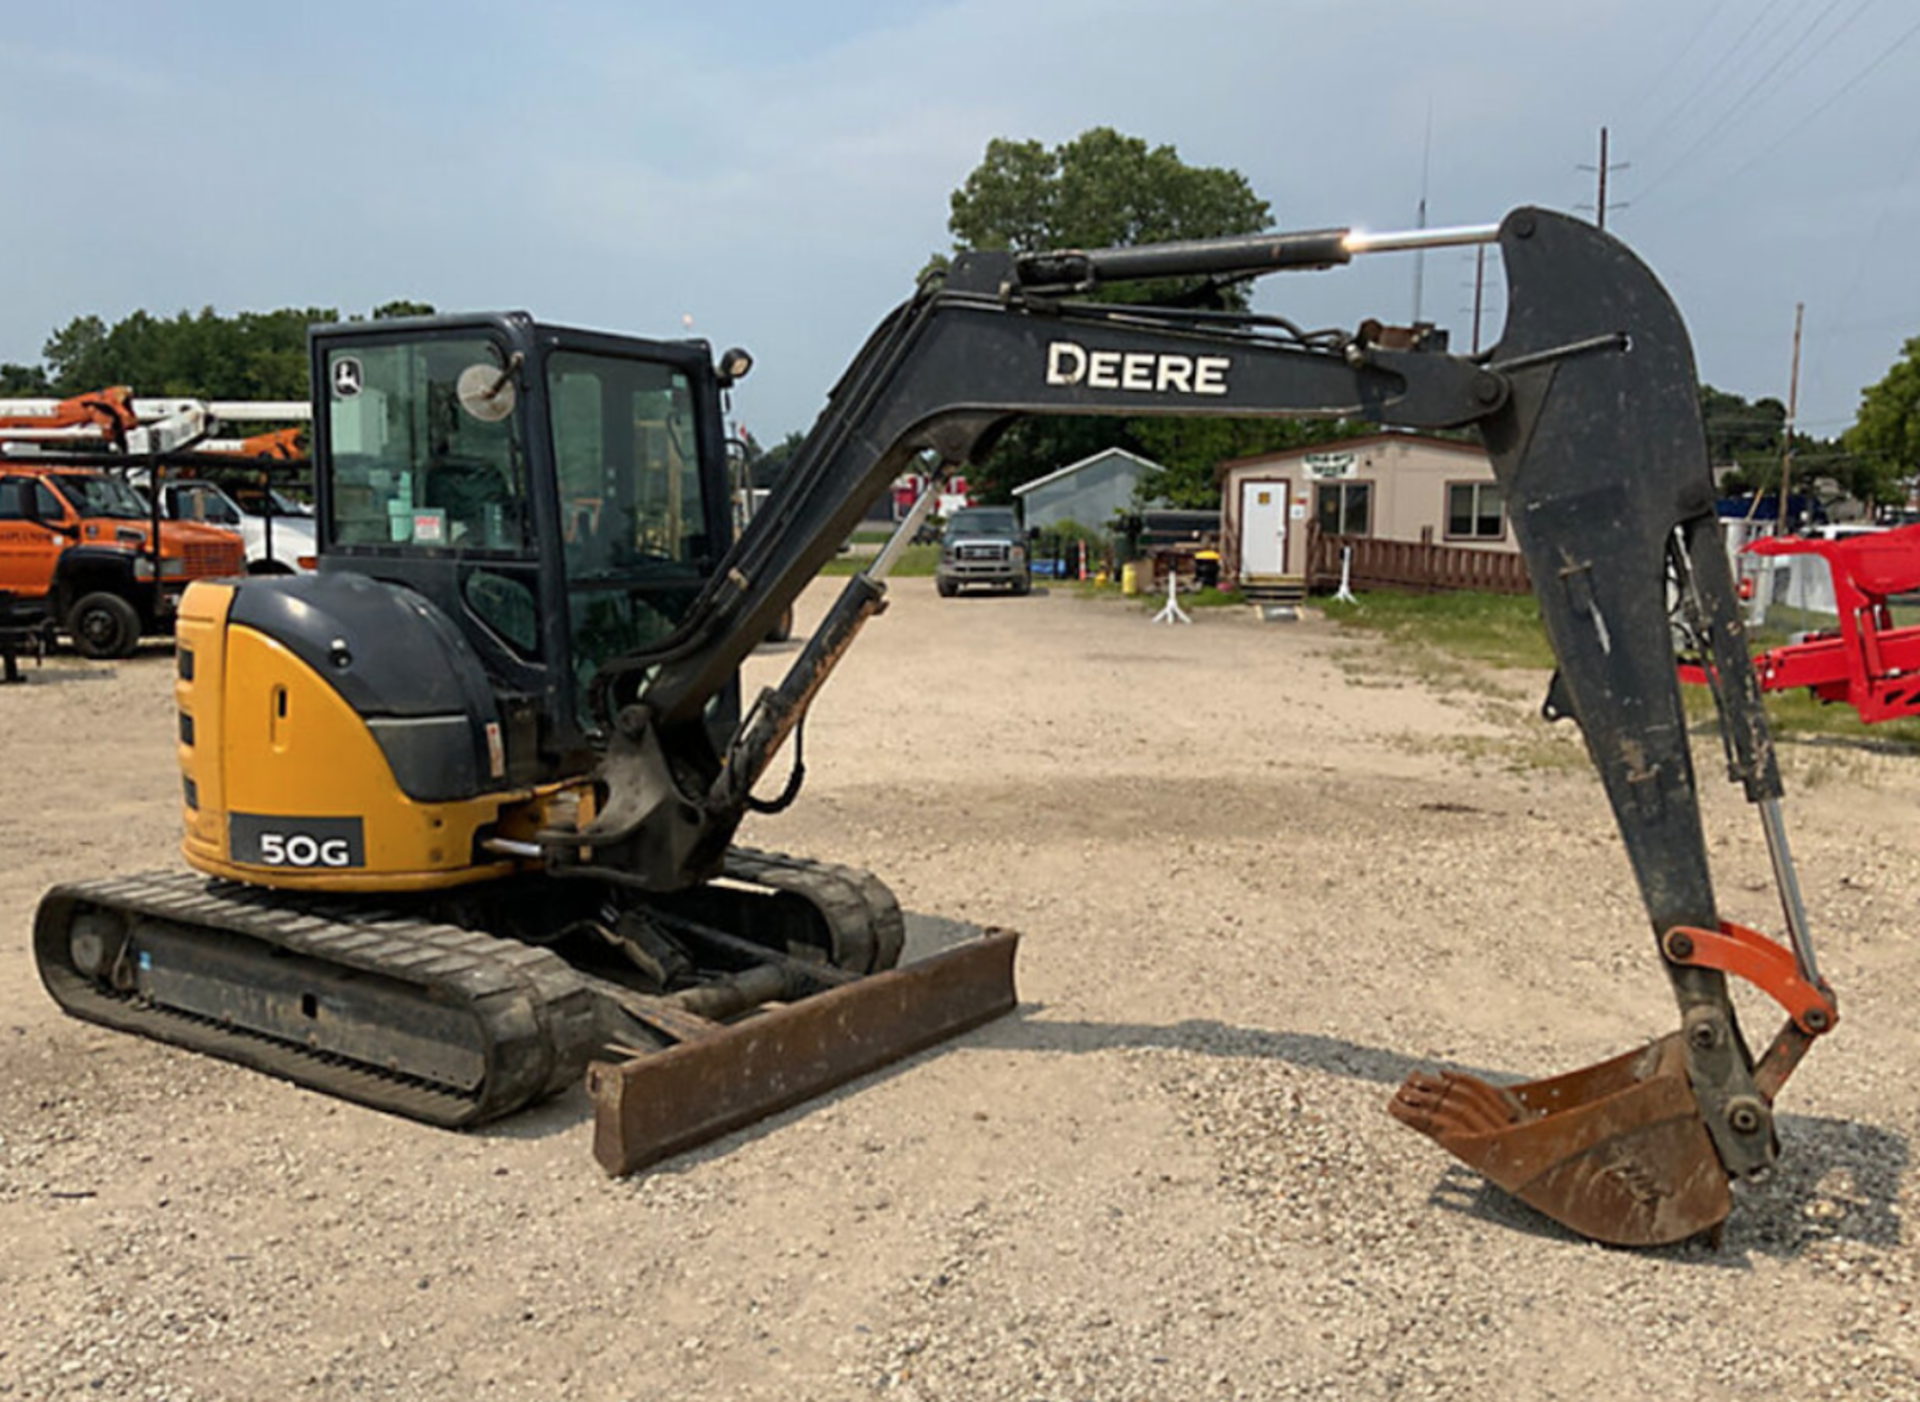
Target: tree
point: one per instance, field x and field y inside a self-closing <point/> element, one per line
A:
<point x="28" y="381"/>
<point x="1885" y="437"/>
<point x="387" y="311"/>
<point x="1743" y="434"/>
<point x="768" y="466"/>
<point x="1100" y="190"/>
<point x="250" y="355"/>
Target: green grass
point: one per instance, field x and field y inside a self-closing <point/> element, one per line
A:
<point x="915" y="561"/>
<point x="1451" y="639"/>
<point x="1498" y="630"/>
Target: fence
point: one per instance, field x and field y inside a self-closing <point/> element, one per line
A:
<point x="1412" y="566"/>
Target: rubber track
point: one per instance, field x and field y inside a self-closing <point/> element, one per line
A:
<point x="534" y="1014"/>
<point x="869" y="929"/>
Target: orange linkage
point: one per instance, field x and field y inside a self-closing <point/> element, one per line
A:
<point x="1768" y="966"/>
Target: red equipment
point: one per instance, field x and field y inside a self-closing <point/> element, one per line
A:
<point x="1867" y="662"/>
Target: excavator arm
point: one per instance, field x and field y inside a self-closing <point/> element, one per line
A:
<point x="1589" y="411"/>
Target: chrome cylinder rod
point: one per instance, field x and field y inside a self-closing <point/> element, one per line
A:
<point x="1788" y="881"/>
<point x="1459" y="236"/>
<point x="909" y="526"/>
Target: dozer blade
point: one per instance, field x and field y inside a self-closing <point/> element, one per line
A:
<point x="661" y="1103"/>
<point x="1617" y="1152"/>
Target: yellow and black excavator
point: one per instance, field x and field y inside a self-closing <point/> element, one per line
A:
<point x="460" y="806"/>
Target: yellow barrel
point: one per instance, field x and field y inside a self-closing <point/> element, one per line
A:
<point x="1130" y="578"/>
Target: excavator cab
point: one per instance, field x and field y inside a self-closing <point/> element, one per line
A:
<point x="561" y="495"/>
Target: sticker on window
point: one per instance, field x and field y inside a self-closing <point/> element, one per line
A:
<point x="429" y="527"/>
<point x="348" y="377"/>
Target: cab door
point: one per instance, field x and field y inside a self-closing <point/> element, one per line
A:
<point x="30" y="543"/>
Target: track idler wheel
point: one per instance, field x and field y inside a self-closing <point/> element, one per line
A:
<point x="1617" y="1152"/>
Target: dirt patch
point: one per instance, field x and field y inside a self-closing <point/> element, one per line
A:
<point x="1257" y="883"/>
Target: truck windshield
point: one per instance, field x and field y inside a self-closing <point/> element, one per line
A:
<point x="418" y="458"/>
<point x="633" y="507"/>
<point x="97" y="494"/>
<point x="973" y="522"/>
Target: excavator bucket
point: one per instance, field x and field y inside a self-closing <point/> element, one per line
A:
<point x="722" y="1077"/>
<point x="1617" y="1151"/>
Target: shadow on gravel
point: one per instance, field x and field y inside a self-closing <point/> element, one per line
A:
<point x="560" y="1115"/>
<point x="1838" y="1181"/>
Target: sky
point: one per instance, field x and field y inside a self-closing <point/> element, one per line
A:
<point x="773" y="175"/>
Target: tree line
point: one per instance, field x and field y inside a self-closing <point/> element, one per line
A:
<point x="203" y="355"/>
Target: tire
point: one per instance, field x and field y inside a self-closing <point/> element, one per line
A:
<point x="104" y="627"/>
<point x="1022" y="586"/>
<point x="947" y="588"/>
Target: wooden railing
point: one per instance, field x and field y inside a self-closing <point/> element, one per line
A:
<point x="1417" y="568"/>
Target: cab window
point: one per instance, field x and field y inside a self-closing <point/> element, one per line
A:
<point x="633" y="509"/>
<point x="29" y="499"/>
<point x="427" y="447"/>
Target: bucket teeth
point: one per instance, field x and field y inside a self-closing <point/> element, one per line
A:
<point x="1616" y="1152"/>
<point x="1450" y="1105"/>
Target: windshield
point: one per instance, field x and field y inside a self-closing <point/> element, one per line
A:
<point x="973" y="522"/>
<point x="425" y="446"/>
<point x="633" y="505"/>
<point x="256" y="501"/>
<point x="97" y="494"/>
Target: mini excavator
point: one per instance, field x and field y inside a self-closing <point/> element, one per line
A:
<point x="460" y="806"/>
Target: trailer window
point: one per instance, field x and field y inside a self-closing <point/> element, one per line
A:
<point x="1475" y="511"/>
<point x="1343" y="508"/>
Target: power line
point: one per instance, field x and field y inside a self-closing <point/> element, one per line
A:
<point x="1699" y="90"/>
<point x="1740" y="101"/>
<point x="1834" y="97"/>
<point x="1678" y="54"/>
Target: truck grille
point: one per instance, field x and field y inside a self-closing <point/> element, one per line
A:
<point x="985" y="550"/>
<point x="206" y="560"/>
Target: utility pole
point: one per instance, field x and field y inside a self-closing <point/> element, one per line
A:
<point x="1600" y="203"/>
<point x="1793" y="409"/>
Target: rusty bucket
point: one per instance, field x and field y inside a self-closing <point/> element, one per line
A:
<point x="1617" y="1152"/>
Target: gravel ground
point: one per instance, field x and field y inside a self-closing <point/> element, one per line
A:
<point x="1260" y="872"/>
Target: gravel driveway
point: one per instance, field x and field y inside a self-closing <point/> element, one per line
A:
<point x="1260" y="873"/>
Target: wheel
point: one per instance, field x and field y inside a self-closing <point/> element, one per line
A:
<point x="947" y="588"/>
<point x="103" y="626"/>
<point x="1022" y="586"/>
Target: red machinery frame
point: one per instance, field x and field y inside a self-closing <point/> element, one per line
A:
<point x="1867" y="662"/>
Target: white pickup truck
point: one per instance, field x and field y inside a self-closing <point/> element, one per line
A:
<point x="278" y="543"/>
